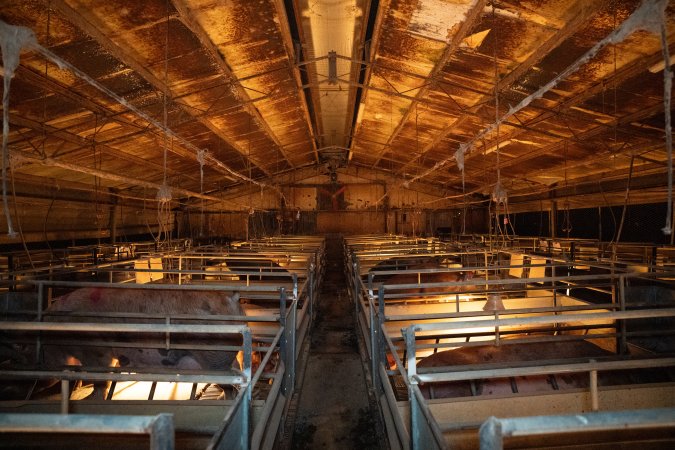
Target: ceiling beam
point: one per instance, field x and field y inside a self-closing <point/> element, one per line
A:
<point x="91" y="25"/>
<point x="572" y="27"/>
<point x="310" y="74"/>
<point x="644" y="113"/>
<point x="374" y="175"/>
<point x="50" y="85"/>
<point x="191" y="23"/>
<point x="467" y="25"/>
<point x="51" y="162"/>
<point x="360" y="48"/>
<point x="600" y="186"/>
<point x="290" y="52"/>
<point x="87" y="143"/>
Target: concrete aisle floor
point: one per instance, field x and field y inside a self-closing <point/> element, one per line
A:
<point x="334" y="411"/>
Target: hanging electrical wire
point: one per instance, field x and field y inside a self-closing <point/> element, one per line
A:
<point x="164" y="192"/>
<point x="566" y="225"/>
<point x="499" y="196"/>
<point x="625" y="199"/>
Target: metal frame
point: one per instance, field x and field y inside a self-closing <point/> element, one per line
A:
<point x="160" y="427"/>
<point x="296" y="303"/>
<point x="370" y="298"/>
<point x="493" y="431"/>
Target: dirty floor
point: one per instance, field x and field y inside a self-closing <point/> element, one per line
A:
<point x="334" y="411"/>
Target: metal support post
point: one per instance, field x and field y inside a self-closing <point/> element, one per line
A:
<point x="65" y="396"/>
<point x="162" y="433"/>
<point x="409" y="335"/>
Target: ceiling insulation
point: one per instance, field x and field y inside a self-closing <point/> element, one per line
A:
<point x="219" y="98"/>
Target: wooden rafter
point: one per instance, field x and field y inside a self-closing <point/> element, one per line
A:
<point x="554" y="41"/>
<point x="90" y="25"/>
<point x="467" y="25"/>
<point x="189" y="21"/>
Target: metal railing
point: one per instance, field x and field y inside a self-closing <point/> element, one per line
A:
<point x="372" y="301"/>
<point x="160" y="428"/>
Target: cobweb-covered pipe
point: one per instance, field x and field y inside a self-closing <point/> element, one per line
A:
<point x="12" y="40"/>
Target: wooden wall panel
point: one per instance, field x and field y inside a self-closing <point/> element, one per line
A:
<point x="347" y="222"/>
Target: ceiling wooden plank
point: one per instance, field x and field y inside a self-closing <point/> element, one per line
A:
<point x="91" y="25"/>
<point x="467" y="25"/>
<point x="87" y="143"/>
<point x="189" y="21"/>
<point x="572" y="27"/>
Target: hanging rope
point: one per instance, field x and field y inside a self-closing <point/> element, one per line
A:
<point x="164" y="192"/>
<point x="667" y="88"/>
<point x="566" y="225"/>
<point x="625" y="200"/>
<point x="499" y="195"/>
<point x="201" y="154"/>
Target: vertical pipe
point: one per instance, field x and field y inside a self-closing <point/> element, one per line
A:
<point x="292" y="326"/>
<point x="357" y="287"/>
<point x="622" y="344"/>
<point x="286" y="355"/>
<point x="180" y="268"/>
<point x="65" y="396"/>
<point x="162" y="433"/>
<point x="409" y="335"/>
<point x="309" y="295"/>
<point x="491" y="434"/>
<point x="246" y="400"/>
<point x="376" y="346"/>
<point x="594" y="390"/>
<point x="40" y="305"/>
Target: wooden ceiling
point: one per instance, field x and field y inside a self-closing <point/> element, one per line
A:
<point x="224" y="96"/>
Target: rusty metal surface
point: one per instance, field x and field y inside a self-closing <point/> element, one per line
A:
<point x="236" y="86"/>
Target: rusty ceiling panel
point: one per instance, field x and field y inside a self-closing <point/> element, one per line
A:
<point x="423" y="72"/>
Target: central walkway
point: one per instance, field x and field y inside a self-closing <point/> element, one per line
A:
<point x="334" y="411"/>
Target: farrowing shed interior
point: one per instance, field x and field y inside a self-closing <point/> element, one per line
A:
<point x="477" y="156"/>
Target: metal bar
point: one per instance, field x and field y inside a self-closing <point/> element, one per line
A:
<point x="123" y="327"/>
<point x="112" y="376"/>
<point x="622" y="344"/>
<point x="270" y="402"/>
<point x="267" y="357"/>
<point x="665" y="312"/>
<point x="161" y="424"/>
<point x="162" y="433"/>
<point x="467" y="374"/>
<point x="594" y="390"/>
<point x="292" y="321"/>
<point x="247" y="388"/>
<point x="286" y="355"/>
<point x="494" y="429"/>
<point x="219" y="439"/>
<point x="390" y="398"/>
<point x="452" y="315"/>
<point x="160" y="287"/>
<point x="65" y="396"/>
<point x="433" y="430"/>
